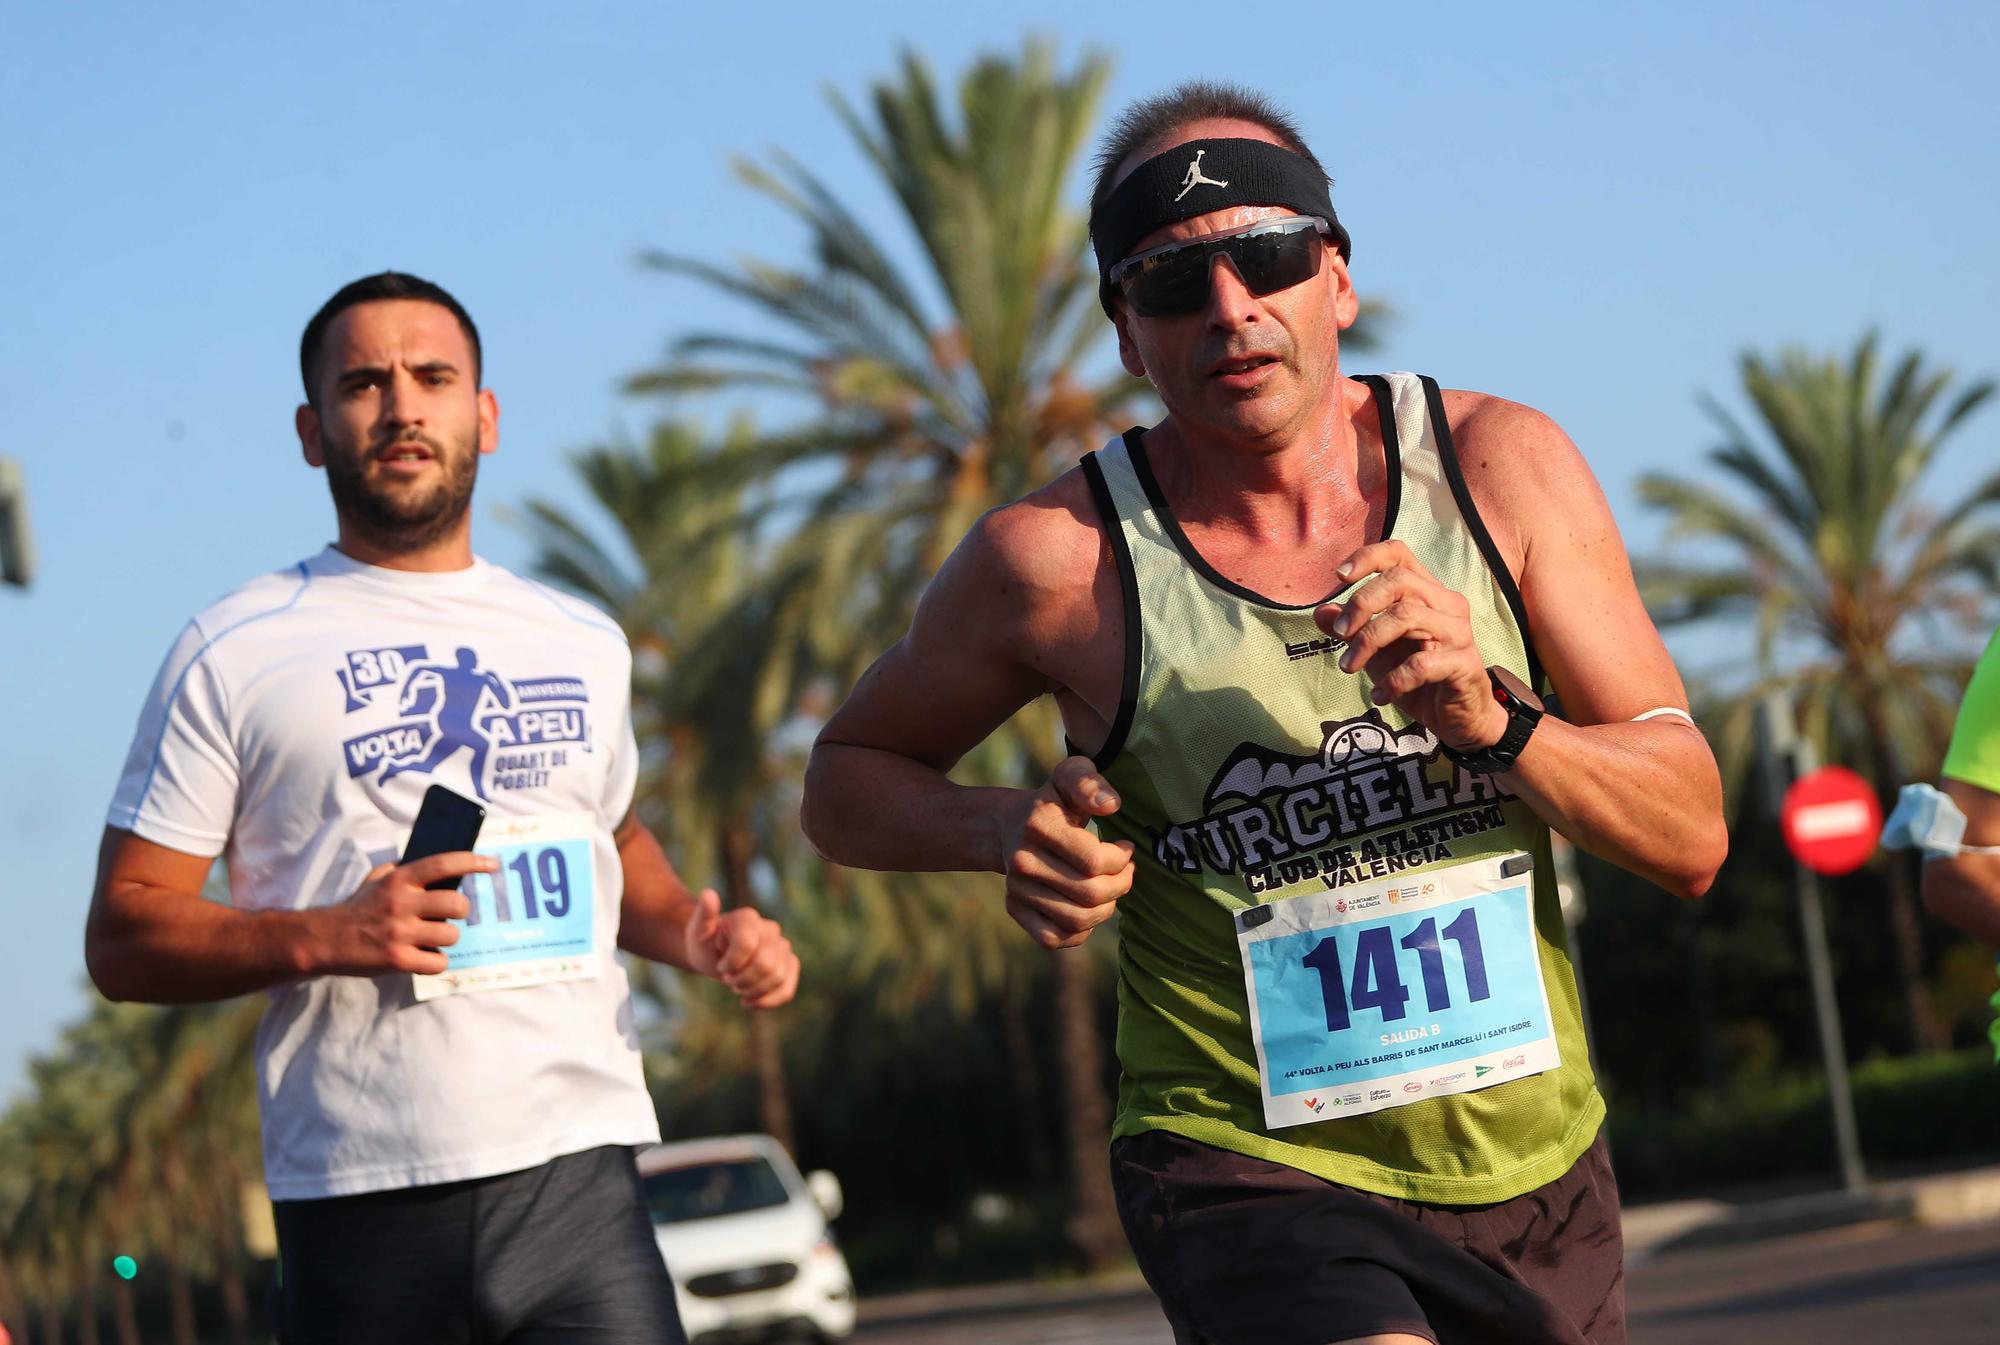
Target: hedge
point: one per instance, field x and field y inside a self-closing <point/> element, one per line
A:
<point x="1912" y="1113"/>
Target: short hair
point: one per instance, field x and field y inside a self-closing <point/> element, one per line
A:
<point x="1154" y="118"/>
<point x="373" y="289"/>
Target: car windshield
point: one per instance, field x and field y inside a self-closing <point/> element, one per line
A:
<point x="705" y="1190"/>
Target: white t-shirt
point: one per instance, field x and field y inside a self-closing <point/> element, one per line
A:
<point x="295" y="727"/>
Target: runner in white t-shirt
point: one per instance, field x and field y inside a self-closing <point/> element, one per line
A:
<point x="450" y="1081"/>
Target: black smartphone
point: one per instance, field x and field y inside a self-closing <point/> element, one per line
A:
<point x="446" y="822"/>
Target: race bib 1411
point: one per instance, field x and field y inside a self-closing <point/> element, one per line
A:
<point x="531" y="922"/>
<point x="1384" y="995"/>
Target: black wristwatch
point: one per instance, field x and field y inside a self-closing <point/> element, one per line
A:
<point x="1524" y="710"/>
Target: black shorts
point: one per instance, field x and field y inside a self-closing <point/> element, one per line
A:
<point x="562" y="1252"/>
<point x="1246" y="1252"/>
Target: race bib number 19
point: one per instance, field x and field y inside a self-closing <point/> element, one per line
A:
<point x="1380" y="996"/>
<point x="533" y="921"/>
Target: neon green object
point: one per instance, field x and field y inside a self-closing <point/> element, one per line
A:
<point x="1974" y="756"/>
<point x="1993" y="1028"/>
<point x="125" y="1266"/>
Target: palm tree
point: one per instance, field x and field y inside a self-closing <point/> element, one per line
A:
<point x="69" y="1221"/>
<point x="1863" y="595"/>
<point x="192" y="1147"/>
<point x="934" y="397"/>
<point x="718" y="659"/>
<point x="946" y="395"/>
<point x="23" y="1287"/>
<point x="731" y="642"/>
<point x="134" y="1140"/>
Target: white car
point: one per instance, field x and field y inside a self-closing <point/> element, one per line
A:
<point x="746" y="1241"/>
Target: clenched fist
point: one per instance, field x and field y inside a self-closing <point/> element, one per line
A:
<point x="1062" y="881"/>
<point x="744" y="950"/>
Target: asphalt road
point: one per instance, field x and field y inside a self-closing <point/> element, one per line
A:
<point x="1124" y="1320"/>
<point x="1869" y="1283"/>
<point x="1844" y="1287"/>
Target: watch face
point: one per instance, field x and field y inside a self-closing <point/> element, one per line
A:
<point x="1511" y="690"/>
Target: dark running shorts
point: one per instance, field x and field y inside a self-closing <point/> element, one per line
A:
<point x="562" y="1252"/>
<point x="1245" y="1252"/>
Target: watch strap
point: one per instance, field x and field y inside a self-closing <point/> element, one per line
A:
<point x="1524" y="712"/>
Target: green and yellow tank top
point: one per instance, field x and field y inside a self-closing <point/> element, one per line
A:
<point x="1252" y="769"/>
<point x="1974" y="755"/>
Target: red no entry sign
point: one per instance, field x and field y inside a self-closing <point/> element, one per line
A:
<point x="1831" y="820"/>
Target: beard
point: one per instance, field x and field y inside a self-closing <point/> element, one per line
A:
<point x="406" y="517"/>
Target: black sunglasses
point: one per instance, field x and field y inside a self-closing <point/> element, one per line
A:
<point x="1270" y="255"/>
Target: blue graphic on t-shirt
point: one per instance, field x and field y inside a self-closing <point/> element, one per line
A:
<point x="445" y="708"/>
<point x="369" y="670"/>
<point x="457" y="693"/>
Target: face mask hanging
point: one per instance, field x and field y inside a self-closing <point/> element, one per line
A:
<point x="1927" y="820"/>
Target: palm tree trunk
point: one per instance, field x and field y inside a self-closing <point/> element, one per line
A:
<point x="766" y="1047"/>
<point x="1094" y="1230"/>
<point x="228" y="1244"/>
<point x="1095" y="1233"/>
<point x="773" y="1107"/>
<point x="124" y="1313"/>
<point x="1701" y="976"/>
<point x="1925" y="1032"/>
<point x="86" y="1310"/>
<point x="13" y="1307"/>
<point x="1027" y="1079"/>
<point x="235" y="1304"/>
<point x="180" y="1302"/>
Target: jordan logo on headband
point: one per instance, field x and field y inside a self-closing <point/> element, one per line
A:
<point x="1195" y="177"/>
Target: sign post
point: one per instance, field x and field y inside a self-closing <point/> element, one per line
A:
<point x="1821" y="825"/>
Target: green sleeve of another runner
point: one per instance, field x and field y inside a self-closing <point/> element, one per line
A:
<point x="1975" y="741"/>
<point x="1993" y="1028"/>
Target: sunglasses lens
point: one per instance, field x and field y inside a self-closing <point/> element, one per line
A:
<point x="1275" y="261"/>
<point x="1176" y="283"/>
<point x="1171" y="284"/>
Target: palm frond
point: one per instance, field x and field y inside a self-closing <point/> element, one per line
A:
<point x="1830" y="548"/>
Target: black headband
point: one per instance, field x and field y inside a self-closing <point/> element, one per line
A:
<point x="1199" y="176"/>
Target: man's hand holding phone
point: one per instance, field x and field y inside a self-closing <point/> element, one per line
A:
<point x="399" y="919"/>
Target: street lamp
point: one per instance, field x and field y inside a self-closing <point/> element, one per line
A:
<point x="17" y="548"/>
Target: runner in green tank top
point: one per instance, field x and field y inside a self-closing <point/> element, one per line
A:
<point x="1965" y="888"/>
<point x="1300" y="633"/>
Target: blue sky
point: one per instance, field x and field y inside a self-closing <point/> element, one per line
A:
<point x="1590" y="208"/>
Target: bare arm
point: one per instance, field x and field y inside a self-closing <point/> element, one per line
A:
<point x="653" y="914"/>
<point x="152" y="937"/>
<point x="877" y="792"/>
<point x="1645" y="796"/>
<point x="1964" y="890"/>
<point x="661" y="920"/>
